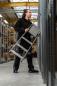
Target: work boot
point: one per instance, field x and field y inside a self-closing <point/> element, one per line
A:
<point x="15" y="71"/>
<point x="33" y="71"/>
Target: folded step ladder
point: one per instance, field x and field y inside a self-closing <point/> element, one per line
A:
<point x="20" y="50"/>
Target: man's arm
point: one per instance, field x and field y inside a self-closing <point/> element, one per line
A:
<point x="18" y="26"/>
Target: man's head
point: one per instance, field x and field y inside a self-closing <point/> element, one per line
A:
<point x="27" y="14"/>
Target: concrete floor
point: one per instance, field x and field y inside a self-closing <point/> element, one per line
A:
<point x="23" y="78"/>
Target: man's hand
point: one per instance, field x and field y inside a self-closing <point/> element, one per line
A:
<point x="27" y="29"/>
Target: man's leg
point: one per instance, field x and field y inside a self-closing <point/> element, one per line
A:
<point x="17" y="61"/>
<point x="16" y="64"/>
<point x="30" y="64"/>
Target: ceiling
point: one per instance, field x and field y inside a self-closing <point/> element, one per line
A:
<point x="11" y="14"/>
<point x="24" y="0"/>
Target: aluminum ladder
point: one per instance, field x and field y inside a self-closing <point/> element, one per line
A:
<point x="25" y="50"/>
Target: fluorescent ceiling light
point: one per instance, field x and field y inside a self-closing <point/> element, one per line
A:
<point x="1" y="15"/>
<point x="19" y="0"/>
<point x="6" y="21"/>
<point x="24" y="0"/>
<point x="20" y="9"/>
<point x="33" y="14"/>
<point x="33" y="0"/>
<point x="33" y="8"/>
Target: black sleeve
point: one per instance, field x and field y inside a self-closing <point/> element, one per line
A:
<point x="18" y="26"/>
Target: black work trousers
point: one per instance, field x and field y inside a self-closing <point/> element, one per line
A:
<point x="29" y="61"/>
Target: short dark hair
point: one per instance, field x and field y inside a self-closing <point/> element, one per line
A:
<point x="24" y="13"/>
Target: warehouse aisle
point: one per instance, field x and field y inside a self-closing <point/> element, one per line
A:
<point x="23" y="78"/>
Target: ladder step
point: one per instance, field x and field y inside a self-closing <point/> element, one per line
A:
<point x="17" y="54"/>
<point x="22" y="47"/>
<point x="27" y="40"/>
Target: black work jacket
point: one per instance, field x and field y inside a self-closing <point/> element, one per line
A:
<point x="21" y="25"/>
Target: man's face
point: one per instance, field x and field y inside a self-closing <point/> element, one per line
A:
<point x="28" y="14"/>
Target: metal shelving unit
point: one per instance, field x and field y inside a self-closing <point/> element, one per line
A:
<point x="6" y="36"/>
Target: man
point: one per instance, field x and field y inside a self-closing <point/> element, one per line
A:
<point x="21" y="27"/>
